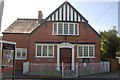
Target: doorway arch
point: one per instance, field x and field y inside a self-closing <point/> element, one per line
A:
<point x="64" y="45"/>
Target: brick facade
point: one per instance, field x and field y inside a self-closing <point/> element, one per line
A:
<point x="26" y="32"/>
<point x="44" y="34"/>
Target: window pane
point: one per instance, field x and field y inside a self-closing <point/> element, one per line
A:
<point x="91" y="51"/>
<point x="44" y="50"/>
<point x="71" y="29"/>
<point x="23" y="53"/>
<point x="50" y="50"/>
<point x="76" y="30"/>
<point x="18" y="53"/>
<point x="12" y="53"/>
<point x="38" y="50"/>
<point x="55" y="28"/>
<point x="80" y="51"/>
<point x="60" y="28"/>
<point x="85" y="51"/>
<point x="65" y="28"/>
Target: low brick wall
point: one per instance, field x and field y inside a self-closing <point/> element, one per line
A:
<point x="113" y="64"/>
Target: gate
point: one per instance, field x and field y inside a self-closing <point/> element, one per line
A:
<point x="67" y="71"/>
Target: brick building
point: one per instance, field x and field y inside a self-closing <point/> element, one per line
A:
<point x="64" y="36"/>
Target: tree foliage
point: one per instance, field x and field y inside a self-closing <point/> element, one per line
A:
<point x="109" y="44"/>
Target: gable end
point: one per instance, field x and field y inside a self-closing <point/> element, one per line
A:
<point x="66" y="12"/>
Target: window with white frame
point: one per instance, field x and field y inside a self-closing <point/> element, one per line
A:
<point x="44" y="51"/>
<point x="86" y="51"/>
<point x="65" y="29"/>
<point x="21" y="53"/>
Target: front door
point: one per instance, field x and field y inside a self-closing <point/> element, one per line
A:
<point x="66" y="56"/>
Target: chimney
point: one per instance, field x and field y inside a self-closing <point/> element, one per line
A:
<point x="40" y="16"/>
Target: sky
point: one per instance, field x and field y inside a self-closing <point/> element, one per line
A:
<point x="100" y="15"/>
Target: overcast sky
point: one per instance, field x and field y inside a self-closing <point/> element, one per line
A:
<point x="101" y="15"/>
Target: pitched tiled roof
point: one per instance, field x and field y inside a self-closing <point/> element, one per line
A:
<point x="22" y="26"/>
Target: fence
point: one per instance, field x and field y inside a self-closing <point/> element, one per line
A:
<point x="93" y="68"/>
<point x="25" y="67"/>
<point x="46" y="69"/>
<point x="50" y="69"/>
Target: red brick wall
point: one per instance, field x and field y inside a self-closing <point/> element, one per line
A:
<point x="44" y="33"/>
<point x="22" y="41"/>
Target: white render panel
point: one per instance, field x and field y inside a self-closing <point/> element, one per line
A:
<point x="57" y="15"/>
<point x="83" y="20"/>
<point x="75" y="15"/>
<point x="64" y="13"/>
<point x="71" y="14"/>
<point x="48" y="19"/>
<point x="60" y="14"/>
<point x="78" y="18"/>
<point x="53" y="17"/>
<point x="67" y="13"/>
<point x="65" y="16"/>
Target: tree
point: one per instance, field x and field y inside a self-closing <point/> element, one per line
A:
<point x="109" y="44"/>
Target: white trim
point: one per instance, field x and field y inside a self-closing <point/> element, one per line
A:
<point x="42" y="51"/>
<point x="68" y="29"/>
<point x="86" y="57"/>
<point x="9" y="42"/>
<point x="57" y="28"/>
<point x="83" y="51"/>
<point x="74" y="29"/>
<point x="47" y="50"/>
<point x="93" y="50"/>
<point x="35" y="50"/>
<point x="21" y="52"/>
<point x="62" y="28"/>
<point x="44" y="56"/>
<point x="78" y="29"/>
<point x="71" y="14"/>
<point x="52" y="29"/>
<point x="64" y="45"/>
<point x="88" y="51"/>
<point x="58" y="57"/>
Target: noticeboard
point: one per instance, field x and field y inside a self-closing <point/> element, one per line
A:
<point x="8" y="52"/>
